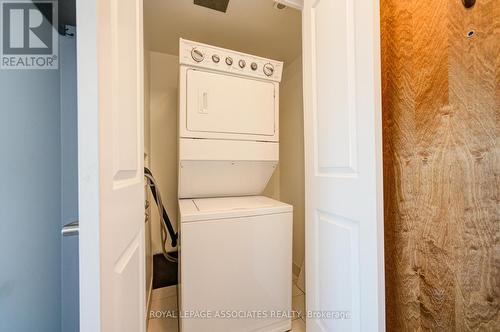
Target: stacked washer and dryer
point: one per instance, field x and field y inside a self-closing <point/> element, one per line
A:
<point x="235" y="246"/>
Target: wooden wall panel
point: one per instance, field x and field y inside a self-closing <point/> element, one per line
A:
<point x="441" y="107"/>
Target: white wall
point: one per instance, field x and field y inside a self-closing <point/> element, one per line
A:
<point x="291" y="169"/>
<point x="30" y="200"/>
<point x="164" y="72"/>
<point x="69" y="183"/>
<point x="273" y="186"/>
<point x="147" y="112"/>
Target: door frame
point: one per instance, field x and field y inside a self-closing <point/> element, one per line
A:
<point x="88" y="151"/>
<point x="88" y="161"/>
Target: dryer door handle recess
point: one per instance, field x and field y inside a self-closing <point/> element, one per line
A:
<point x="204" y="103"/>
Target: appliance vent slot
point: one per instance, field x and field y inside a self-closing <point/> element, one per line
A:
<point x="219" y="5"/>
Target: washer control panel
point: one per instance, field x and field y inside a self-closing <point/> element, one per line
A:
<point x="216" y="58"/>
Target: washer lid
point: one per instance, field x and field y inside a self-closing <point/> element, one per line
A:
<point x="229" y="207"/>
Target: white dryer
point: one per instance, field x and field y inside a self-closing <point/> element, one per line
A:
<point x="235" y="247"/>
<point x="228" y="121"/>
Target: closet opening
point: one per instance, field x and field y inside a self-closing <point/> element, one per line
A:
<point x="263" y="30"/>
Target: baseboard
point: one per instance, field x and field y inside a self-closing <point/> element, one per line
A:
<point x="164" y="292"/>
<point x="159" y="251"/>
<point x="284" y="325"/>
<point x="148" y="305"/>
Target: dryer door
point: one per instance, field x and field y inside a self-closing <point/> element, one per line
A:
<point x="225" y="106"/>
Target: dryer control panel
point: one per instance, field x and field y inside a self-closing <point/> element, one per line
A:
<point x="206" y="56"/>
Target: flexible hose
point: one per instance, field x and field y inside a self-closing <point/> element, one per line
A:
<point x="161" y="211"/>
<point x="166" y="219"/>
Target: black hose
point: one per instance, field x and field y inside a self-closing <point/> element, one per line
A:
<point x="166" y="219"/>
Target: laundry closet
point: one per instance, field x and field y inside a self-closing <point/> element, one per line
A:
<point x="223" y="125"/>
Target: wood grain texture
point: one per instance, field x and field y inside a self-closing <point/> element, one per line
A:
<point x="441" y="107"/>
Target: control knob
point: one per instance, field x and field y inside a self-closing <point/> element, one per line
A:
<point x="268" y="69"/>
<point x="215" y="58"/>
<point x="242" y="63"/>
<point x="229" y="61"/>
<point x="197" y="55"/>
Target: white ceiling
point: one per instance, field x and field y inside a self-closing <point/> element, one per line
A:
<point x="250" y="26"/>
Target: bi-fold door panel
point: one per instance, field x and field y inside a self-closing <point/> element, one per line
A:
<point x="226" y="104"/>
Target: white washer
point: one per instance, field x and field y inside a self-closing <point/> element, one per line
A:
<point x="235" y="259"/>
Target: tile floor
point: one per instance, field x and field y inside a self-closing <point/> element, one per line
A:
<point x="164" y="299"/>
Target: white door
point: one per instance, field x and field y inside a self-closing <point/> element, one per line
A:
<point x="110" y="142"/>
<point x="343" y="152"/>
